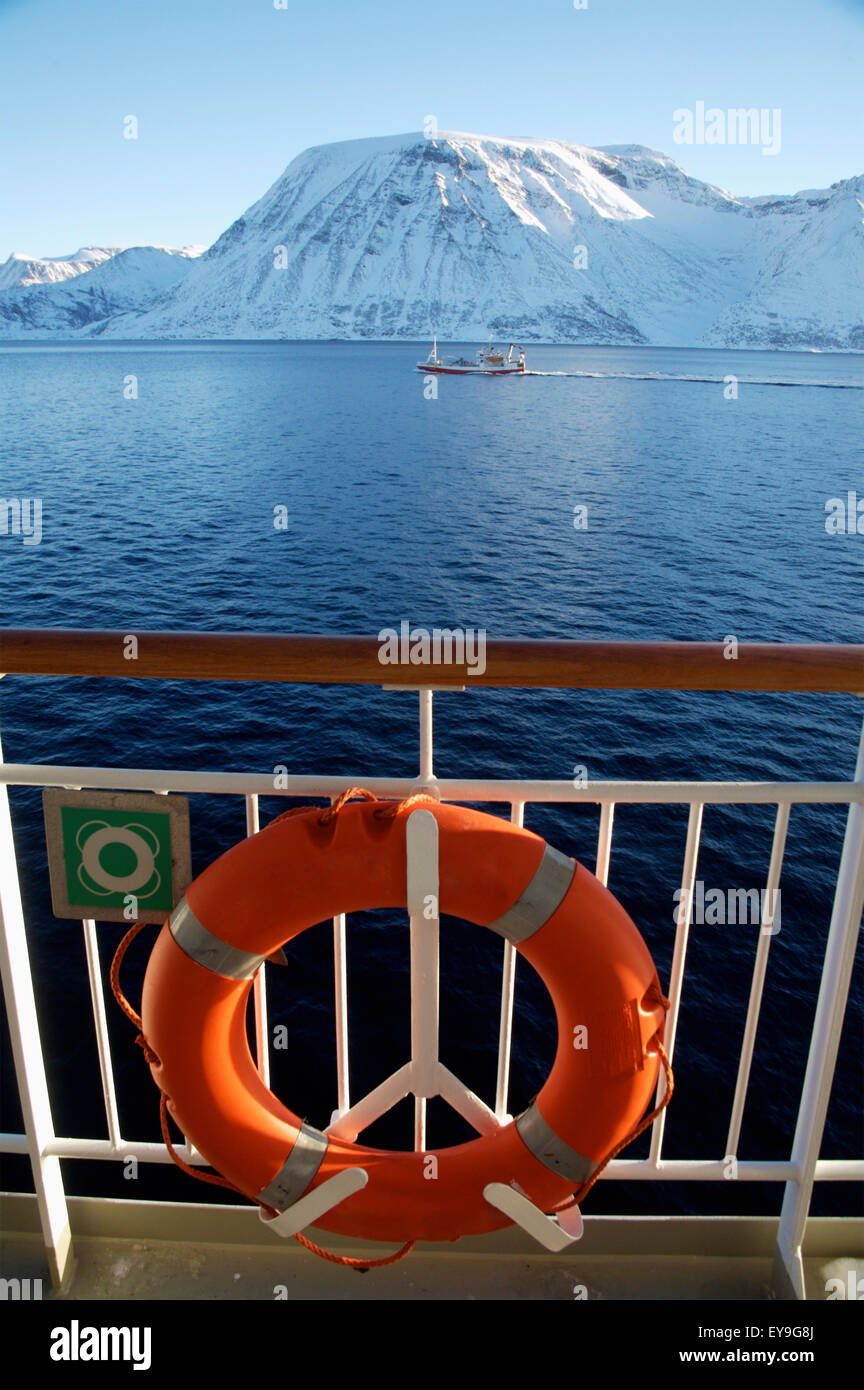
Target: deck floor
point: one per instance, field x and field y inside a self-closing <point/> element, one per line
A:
<point x="124" y="1270"/>
<point x="168" y="1251"/>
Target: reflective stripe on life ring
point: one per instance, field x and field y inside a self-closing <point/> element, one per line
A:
<point x="205" y="949"/>
<point x="297" y="1171"/>
<point x="543" y="896"/>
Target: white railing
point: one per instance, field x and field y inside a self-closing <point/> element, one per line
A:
<point x="424" y="1076"/>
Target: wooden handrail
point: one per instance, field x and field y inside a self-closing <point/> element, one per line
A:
<point x="252" y="656"/>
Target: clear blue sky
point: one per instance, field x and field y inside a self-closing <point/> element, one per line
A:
<point x="227" y="92"/>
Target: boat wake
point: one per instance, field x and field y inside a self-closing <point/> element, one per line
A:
<point x="712" y="380"/>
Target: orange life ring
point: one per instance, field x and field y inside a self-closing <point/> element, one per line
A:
<point x="297" y="872"/>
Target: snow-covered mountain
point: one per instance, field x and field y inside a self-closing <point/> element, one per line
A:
<point x="90" y="287"/>
<point x="808" y="290"/>
<point x="21" y="269"/>
<point x="527" y="239"/>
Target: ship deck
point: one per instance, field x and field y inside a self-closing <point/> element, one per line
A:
<point x="175" y="1252"/>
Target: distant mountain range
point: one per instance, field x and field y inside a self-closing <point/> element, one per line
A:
<point x="467" y="235"/>
<point x="65" y="295"/>
<point x="21" y="270"/>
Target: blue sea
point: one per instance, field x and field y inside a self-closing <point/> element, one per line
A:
<point x="706" y="476"/>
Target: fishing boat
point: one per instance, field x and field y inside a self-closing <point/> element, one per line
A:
<point x="489" y="361"/>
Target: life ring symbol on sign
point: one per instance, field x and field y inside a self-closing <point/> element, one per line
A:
<point x="558" y="916"/>
<point x="135" y="837"/>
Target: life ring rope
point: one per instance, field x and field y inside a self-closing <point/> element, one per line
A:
<point x="386" y="810"/>
<point x="637" y="1129"/>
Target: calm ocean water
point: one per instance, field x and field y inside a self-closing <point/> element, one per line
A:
<point x="706" y="517"/>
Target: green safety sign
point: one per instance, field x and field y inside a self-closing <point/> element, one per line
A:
<point x="116" y="856"/>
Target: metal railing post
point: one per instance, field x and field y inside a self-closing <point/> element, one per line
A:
<point x="676" y="973"/>
<point x="757" y="985"/>
<point x="27" y="1052"/>
<point x="427" y="773"/>
<point x="824" y="1044"/>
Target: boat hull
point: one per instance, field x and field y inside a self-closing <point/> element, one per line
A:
<point x="470" y="371"/>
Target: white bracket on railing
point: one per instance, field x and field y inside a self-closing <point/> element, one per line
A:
<point x="421" y="843"/>
<point x="552" y="1232"/>
<point x="314" y="1204"/>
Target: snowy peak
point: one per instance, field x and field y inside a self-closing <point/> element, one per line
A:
<point x="514" y="167"/>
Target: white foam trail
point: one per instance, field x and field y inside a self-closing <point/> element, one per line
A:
<point x="712" y="380"/>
